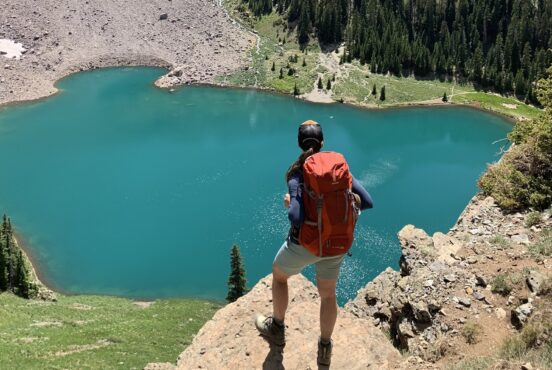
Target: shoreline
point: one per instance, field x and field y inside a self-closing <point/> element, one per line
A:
<point x="261" y="89"/>
<point x="37" y="275"/>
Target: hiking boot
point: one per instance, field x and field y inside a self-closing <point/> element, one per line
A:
<point x="324" y="353"/>
<point x="272" y="331"/>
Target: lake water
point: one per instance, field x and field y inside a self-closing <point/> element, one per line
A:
<point x="121" y="188"/>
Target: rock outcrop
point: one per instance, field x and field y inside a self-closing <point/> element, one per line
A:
<point x="407" y="303"/>
<point x="445" y="282"/>
<point x="230" y="340"/>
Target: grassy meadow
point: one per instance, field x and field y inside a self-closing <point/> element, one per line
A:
<point x="93" y="332"/>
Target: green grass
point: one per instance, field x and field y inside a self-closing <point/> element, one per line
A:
<point x="543" y="247"/>
<point x="494" y="102"/>
<point x="93" y="332"/>
<point x="480" y="363"/>
<point x="500" y="241"/>
<point x="357" y="87"/>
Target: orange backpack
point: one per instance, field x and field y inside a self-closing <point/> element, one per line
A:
<point x="330" y="210"/>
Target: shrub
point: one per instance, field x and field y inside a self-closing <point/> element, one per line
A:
<point x="523" y="178"/>
<point x="533" y="218"/>
<point x="471" y="332"/>
<point x="501" y="285"/>
<point x="500" y="241"/>
<point x="542" y="248"/>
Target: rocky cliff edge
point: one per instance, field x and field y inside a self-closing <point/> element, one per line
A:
<point x="230" y="340"/>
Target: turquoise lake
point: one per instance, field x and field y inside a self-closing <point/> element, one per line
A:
<point x="121" y="188"/>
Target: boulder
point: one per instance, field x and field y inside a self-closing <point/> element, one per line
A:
<point x="535" y="281"/>
<point x="415" y="243"/>
<point x="520" y="315"/>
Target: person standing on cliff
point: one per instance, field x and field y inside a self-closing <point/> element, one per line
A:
<point x="308" y="241"/>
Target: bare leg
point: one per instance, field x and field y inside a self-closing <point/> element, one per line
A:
<point x="279" y="293"/>
<point x="328" y="307"/>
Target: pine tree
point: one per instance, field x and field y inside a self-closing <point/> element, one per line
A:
<point x="10" y="255"/>
<point x="236" y="280"/>
<point x="382" y="93"/>
<point x="445" y="97"/>
<point x="374" y="90"/>
<point x="520" y="88"/>
<point x="320" y="86"/>
<point x="291" y="71"/>
<point x="23" y="284"/>
<point x="333" y="77"/>
<point x="329" y="85"/>
<point x="303" y="28"/>
<point x="3" y="264"/>
<point x="304" y="62"/>
<point x="273" y="66"/>
<point x="296" y="91"/>
<point x="281" y="73"/>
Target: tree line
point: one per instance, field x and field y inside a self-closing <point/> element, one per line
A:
<point x="503" y="45"/>
<point x="14" y="273"/>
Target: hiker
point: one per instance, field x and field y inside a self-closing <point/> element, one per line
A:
<point x="316" y="236"/>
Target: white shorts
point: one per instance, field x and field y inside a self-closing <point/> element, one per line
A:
<point x="293" y="258"/>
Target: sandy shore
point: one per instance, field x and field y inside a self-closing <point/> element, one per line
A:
<point x="61" y="37"/>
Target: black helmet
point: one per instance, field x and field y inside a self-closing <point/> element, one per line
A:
<point x="310" y="136"/>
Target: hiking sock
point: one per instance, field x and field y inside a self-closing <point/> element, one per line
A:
<point x="325" y="341"/>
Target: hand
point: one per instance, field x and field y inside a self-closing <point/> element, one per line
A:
<point x="357" y="200"/>
<point x="287" y="200"/>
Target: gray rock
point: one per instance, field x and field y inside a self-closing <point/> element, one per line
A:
<point x="475" y="231"/>
<point x="464" y="301"/>
<point x="405" y="332"/>
<point x="434" y="306"/>
<point x="520" y="239"/>
<point x="481" y="280"/>
<point x="449" y="278"/>
<point x="163" y="16"/>
<point x="478" y="296"/>
<point x="421" y="312"/>
<point x="520" y="315"/>
<point x="385" y="311"/>
<point x="535" y="280"/>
